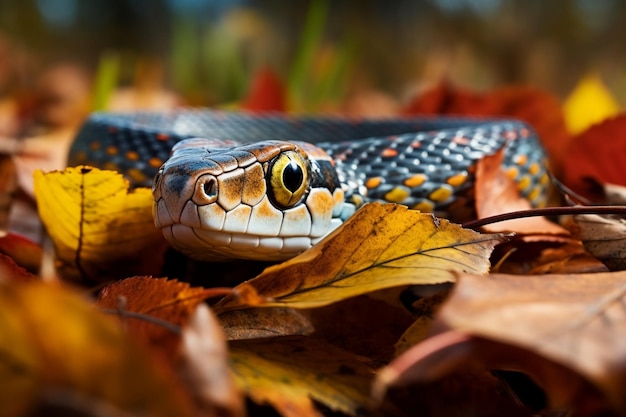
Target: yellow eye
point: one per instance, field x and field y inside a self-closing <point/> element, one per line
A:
<point x="288" y="179"/>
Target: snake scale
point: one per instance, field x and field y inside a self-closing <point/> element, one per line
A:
<point x="231" y="185"/>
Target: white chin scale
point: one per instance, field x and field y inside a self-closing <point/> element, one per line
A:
<point x="260" y="232"/>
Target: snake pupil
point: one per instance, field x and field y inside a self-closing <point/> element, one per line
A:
<point x="292" y="176"/>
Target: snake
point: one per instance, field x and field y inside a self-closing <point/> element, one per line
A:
<point x="267" y="186"/>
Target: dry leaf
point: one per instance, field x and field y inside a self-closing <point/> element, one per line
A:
<point x="100" y="230"/>
<point x="23" y="251"/>
<point x="577" y="321"/>
<point x="10" y="271"/>
<point x="595" y="154"/>
<point x="497" y="193"/>
<point x="604" y="237"/>
<point x="290" y="372"/>
<point x="381" y="246"/>
<point x="267" y="92"/>
<point x="204" y="366"/>
<point x="266" y="322"/>
<point x="157" y="298"/>
<point x="59" y="352"/>
<point x="589" y="103"/>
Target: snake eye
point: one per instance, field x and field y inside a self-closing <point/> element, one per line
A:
<point x="288" y="179"/>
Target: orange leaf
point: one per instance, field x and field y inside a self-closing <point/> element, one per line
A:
<point x="267" y="92"/>
<point x="158" y="298"/>
<point x="496" y="193"/>
<point x="23" y="251"/>
<point x="595" y="154"/>
<point x="10" y="271"/>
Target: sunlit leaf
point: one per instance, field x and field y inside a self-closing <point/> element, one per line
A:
<point x="289" y="372"/>
<point x="100" y="230"/>
<point x="589" y="103"/>
<point x="60" y="352"/>
<point x="381" y="246"/>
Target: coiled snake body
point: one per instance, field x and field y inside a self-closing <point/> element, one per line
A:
<point x="239" y="185"/>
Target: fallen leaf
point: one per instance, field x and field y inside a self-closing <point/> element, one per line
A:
<point x="576" y="321"/>
<point x="497" y="193"/>
<point x="100" y="230"/>
<point x="604" y="237"/>
<point x="267" y="92"/>
<point x="536" y="107"/>
<point x="290" y="372"/>
<point x="205" y="368"/>
<point x="266" y="322"/>
<point x="10" y="271"/>
<point x="23" y="251"/>
<point x="8" y="186"/>
<point x="453" y="353"/>
<point x="156" y="298"/>
<point x="381" y="246"/>
<point x="59" y="353"/>
<point x="589" y="103"/>
<point x="544" y="257"/>
<point x="596" y="154"/>
<point x="424" y="309"/>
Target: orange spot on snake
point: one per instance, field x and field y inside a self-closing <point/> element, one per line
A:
<point x="162" y="137"/>
<point x="415" y="180"/>
<point x="111" y="150"/>
<point x="155" y="162"/>
<point x="389" y="152"/>
<point x="457" y="179"/>
<point x="373" y="182"/>
<point x="132" y="156"/>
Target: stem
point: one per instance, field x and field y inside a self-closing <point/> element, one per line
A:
<point x="547" y="211"/>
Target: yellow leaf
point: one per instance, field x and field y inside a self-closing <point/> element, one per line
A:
<point x="291" y="371"/>
<point x="381" y="246"/>
<point x="100" y="230"/>
<point x="590" y="103"/>
<point x="58" y="351"/>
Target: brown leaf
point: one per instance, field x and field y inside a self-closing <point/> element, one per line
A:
<point x="496" y="193"/>
<point x="454" y="353"/>
<point x="158" y="298"/>
<point x="380" y="246"/>
<point x="288" y="373"/>
<point x="204" y="366"/>
<point x="576" y="321"/>
<point x="604" y="237"/>
<point x="258" y="323"/>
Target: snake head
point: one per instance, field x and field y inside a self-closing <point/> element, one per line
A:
<point x="264" y="201"/>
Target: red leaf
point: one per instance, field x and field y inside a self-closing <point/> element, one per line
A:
<point x="267" y="92"/>
<point x="595" y="154"/>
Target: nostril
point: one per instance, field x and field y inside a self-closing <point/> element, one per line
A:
<point x="210" y="188"/>
<point x="206" y="190"/>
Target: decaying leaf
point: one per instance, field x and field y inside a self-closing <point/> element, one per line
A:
<point x="266" y="322"/>
<point x="60" y="353"/>
<point x="576" y="321"/>
<point x="157" y="298"/>
<point x="381" y="246"/>
<point x="204" y="366"/>
<point x="100" y="230"/>
<point x="496" y="193"/>
<point x="604" y="237"/>
<point x="289" y="372"/>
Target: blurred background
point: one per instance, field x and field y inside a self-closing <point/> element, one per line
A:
<point x="204" y="52"/>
